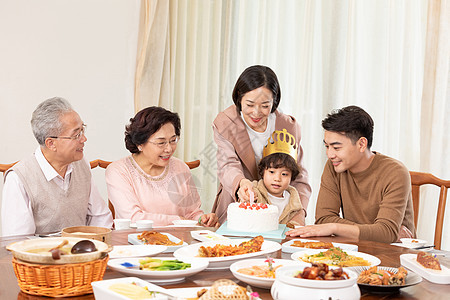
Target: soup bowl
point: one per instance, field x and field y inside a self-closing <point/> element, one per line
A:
<point x="37" y="250"/>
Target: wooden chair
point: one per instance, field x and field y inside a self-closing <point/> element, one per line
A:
<point x="418" y="179"/>
<point x="5" y="167"/>
<point x="103" y="164"/>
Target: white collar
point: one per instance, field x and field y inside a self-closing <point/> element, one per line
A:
<point x="49" y="172"/>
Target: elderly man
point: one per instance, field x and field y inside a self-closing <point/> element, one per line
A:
<point x="53" y="188"/>
<point x="371" y="190"/>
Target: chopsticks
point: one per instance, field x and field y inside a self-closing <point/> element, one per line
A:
<point x="423" y="247"/>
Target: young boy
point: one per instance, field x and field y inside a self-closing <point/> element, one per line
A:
<point x="277" y="170"/>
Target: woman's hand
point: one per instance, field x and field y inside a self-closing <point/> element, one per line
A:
<point x="209" y="220"/>
<point x="243" y="193"/>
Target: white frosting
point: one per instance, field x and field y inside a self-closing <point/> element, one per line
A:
<point x="262" y="220"/>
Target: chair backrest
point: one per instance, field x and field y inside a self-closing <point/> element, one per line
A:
<point x="5" y="167"/>
<point x="103" y="164"/>
<point x="418" y="179"/>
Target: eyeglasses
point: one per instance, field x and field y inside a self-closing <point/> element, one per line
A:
<point x="163" y="145"/>
<point x="75" y="137"/>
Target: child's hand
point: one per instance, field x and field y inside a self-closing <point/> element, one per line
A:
<point x="245" y="187"/>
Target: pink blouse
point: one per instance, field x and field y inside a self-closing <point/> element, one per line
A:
<point x="164" y="198"/>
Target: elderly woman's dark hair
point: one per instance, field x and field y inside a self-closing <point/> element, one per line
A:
<point x="279" y="160"/>
<point x="353" y="121"/>
<point x="254" y="77"/>
<point x="146" y="123"/>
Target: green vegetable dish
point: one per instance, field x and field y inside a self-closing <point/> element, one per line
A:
<point x="154" y="264"/>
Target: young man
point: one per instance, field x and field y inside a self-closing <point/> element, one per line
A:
<point x="52" y="188"/>
<point x="371" y="190"/>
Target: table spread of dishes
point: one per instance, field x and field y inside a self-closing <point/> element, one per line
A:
<point x="74" y="264"/>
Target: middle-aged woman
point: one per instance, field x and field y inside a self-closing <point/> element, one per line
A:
<point x="151" y="183"/>
<point x="241" y="131"/>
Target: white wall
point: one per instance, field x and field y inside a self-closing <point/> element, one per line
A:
<point x="84" y="51"/>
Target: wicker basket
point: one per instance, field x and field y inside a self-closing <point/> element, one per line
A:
<point x="59" y="280"/>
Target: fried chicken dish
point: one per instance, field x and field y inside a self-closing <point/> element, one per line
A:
<point x="219" y="250"/>
<point x="156" y="238"/>
<point x="313" y="245"/>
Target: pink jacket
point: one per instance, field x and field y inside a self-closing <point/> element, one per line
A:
<point x="236" y="159"/>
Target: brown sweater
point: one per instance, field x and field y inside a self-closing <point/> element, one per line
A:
<point x="377" y="200"/>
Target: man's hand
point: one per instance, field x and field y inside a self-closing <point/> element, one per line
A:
<point x="245" y="186"/>
<point x="404" y="233"/>
<point x="344" y="230"/>
<point x="313" y="230"/>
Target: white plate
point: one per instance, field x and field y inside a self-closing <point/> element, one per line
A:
<point x="102" y="291"/>
<point x="267" y="247"/>
<point x="265" y="283"/>
<point x="411" y="279"/>
<point x="184" y="222"/>
<point x="413" y="243"/>
<point x="287" y="275"/>
<point x="435" y="276"/>
<point x="136" y="250"/>
<point x="197" y="265"/>
<point x="374" y="261"/>
<point x="133" y="239"/>
<point x="288" y="248"/>
<point x="207" y="235"/>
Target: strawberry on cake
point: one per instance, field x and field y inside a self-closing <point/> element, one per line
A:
<point x="252" y="217"/>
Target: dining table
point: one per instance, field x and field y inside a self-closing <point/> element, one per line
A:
<point x="388" y="254"/>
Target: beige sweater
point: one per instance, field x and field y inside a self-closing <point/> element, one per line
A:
<point x="377" y="200"/>
<point x="53" y="208"/>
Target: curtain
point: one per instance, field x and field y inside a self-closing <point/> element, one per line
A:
<point x="327" y="54"/>
<point x="435" y="121"/>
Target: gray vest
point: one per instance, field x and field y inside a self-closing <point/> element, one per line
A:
<point x="54" y="208"/>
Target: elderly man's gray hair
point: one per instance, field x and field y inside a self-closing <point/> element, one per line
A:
<point x="46" y="122"/>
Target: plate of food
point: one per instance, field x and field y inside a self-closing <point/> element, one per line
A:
<point x="315" y="281"/>
<point x="221" y="254"/>
<point x="305" y="244"/>
<point x="337" y="257"/>
<point x="156" y="238"/>
<point x="158" y="269"/>
<point x="413" y="243"/>
<point x="385" y="280"/>
<point x="426" y="265"/>
<point x="128" y="288"/>
<point x="136" y="250"/>
<point x="259" y="272"/>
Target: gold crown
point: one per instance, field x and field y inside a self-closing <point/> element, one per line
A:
<point x="281" y="142"/>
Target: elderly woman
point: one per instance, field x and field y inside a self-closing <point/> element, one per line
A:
<point x="151" y="183"/>
<point x="241" y="131"/>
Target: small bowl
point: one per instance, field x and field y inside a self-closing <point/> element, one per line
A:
<point x="184" y="222"/>
<point x="413" y="242"/>
<point x="101" y="234"/>
<point x="144" y="224"/>
<point x="121" y="224"/>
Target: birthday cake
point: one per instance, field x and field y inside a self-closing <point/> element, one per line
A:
<point x="256" y="217"/>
